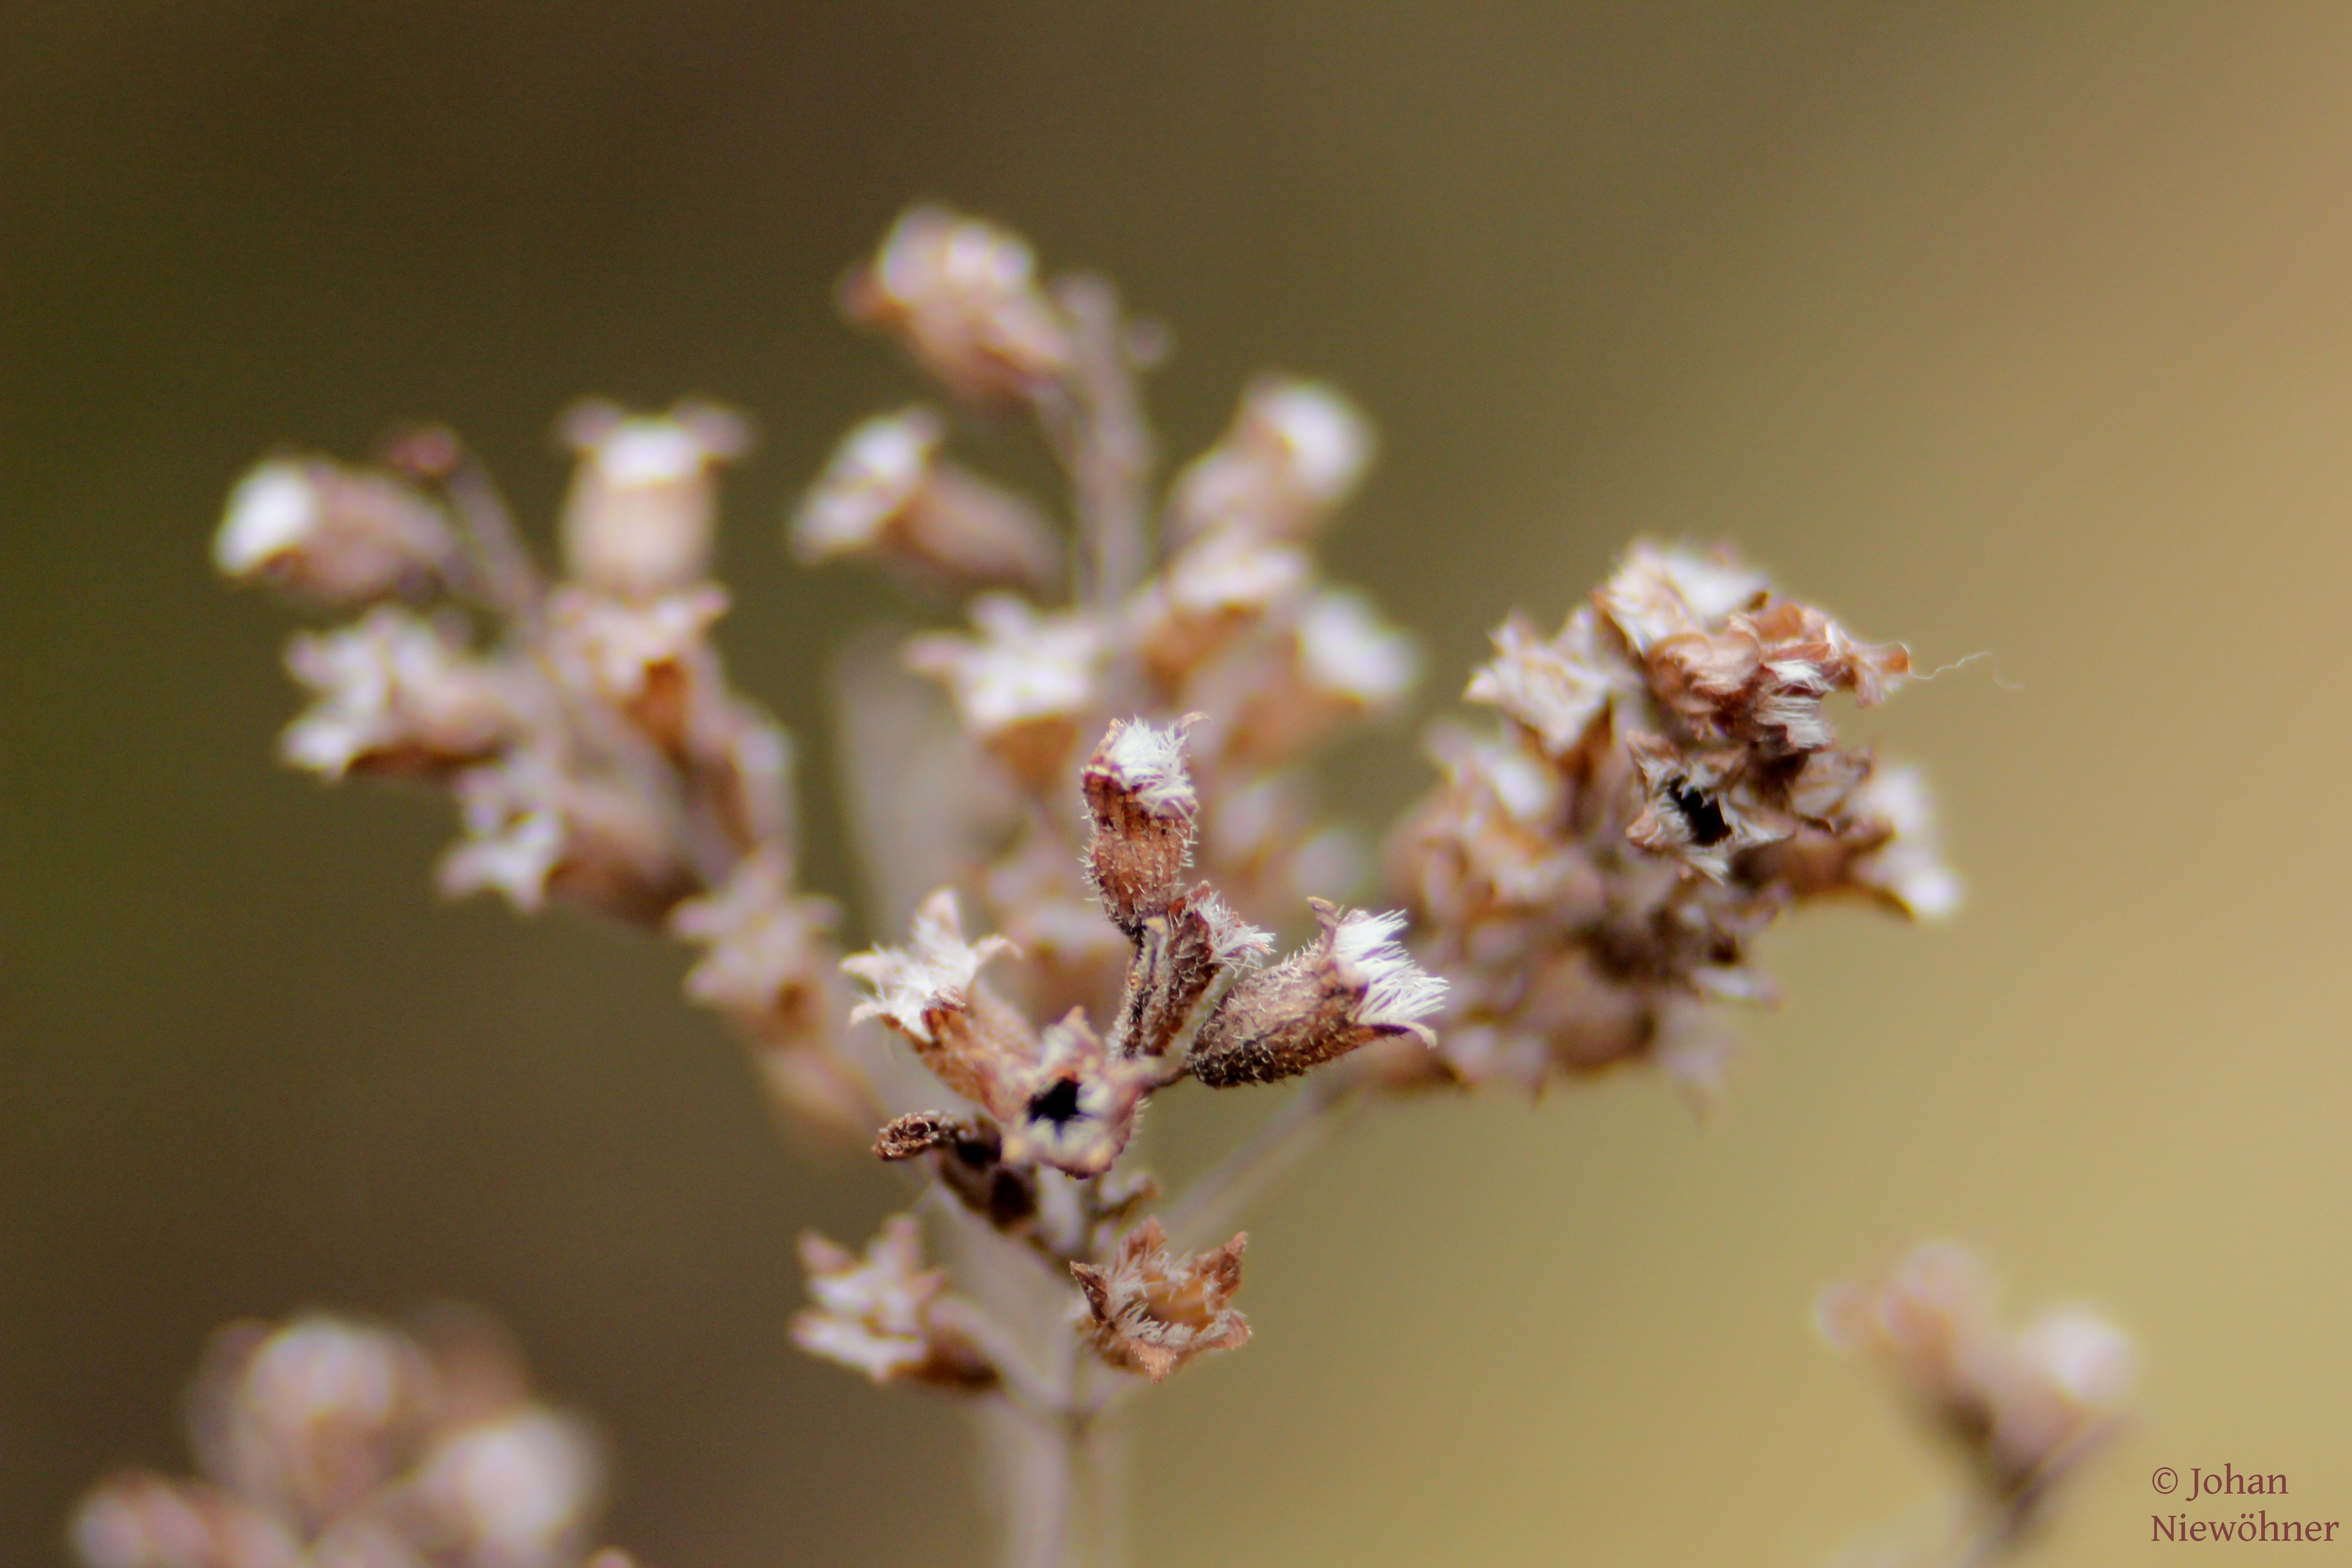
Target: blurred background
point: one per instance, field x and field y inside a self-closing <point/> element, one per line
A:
<point x="2007" y="329"/>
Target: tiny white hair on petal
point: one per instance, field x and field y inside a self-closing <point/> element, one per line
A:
<point x="1148" y="761"/>
<point x="937" y="968"/>
<point x="1231" y="938"/>
<point x="272" y="509"/>
<point x="1397" y="991"/>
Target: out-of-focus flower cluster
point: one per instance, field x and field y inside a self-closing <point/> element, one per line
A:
<point x="1665" y="783"/>
<point x="585" y="728"/>
<point x="2023" y="1408"/>
<point x="326" y="1443"/>
<point x="1225" y="618"/>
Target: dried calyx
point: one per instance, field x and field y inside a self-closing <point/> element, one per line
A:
<point x="1666" y="781"/>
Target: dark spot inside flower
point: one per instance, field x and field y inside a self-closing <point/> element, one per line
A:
<point x="1706" y="818"/>
<point x="1058" y="1105"/>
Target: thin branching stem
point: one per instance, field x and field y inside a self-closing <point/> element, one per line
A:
<point x="1094" y="423"/>
<point x="1317" y="1109"/>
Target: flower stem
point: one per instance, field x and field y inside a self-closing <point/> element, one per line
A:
<point x="1323" y="1104"/>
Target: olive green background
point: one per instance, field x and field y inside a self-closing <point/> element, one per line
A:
<point x="2015" y="329"/>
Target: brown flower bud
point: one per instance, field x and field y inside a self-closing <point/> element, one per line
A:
<point x="1296" y="450"/>
<point x="1354" y="985"/>
<point x="961" y="295"/>
<point x="1150" y="1313"/>
<point x="639" y="518"/>
<point x="887" y="493"/>
<point x="1183" y="961"/>
<point x="333" y="536"/>
<point x="1142" y="799"/>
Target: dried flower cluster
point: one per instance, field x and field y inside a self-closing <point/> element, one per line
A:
<point x="325" y="1443"/>
<point x="584" y="727"/>
<point x="2023" y="1407"/>
<point x="1141" y="683"/>
<point x="1665" y="783"/>
<point x="1063" y="1100"/>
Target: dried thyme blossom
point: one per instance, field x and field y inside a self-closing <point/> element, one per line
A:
<point x="1065" y="1099"/>
<point x="881" y="1313"/>
<point x="1665" y="782"/>
<point x="1148" y="1312"/>
<point x="325" y="1441"/>
<point x="585" y="728"/>
<point x="2024" y="1408"/>
<point x="1228" y="621"/>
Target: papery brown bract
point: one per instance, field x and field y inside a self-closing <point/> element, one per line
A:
<point x="1150" y="1313"/>
<point x="1666" y="784"/>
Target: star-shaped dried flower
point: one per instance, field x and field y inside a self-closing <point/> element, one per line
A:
<point x="931" y="992"/>
<point x="1150" y="1312"/>
<point x="879" y="1314"/>
<point x="397" y="693"/>
<point x="1021" y="684"/>
<point x="1073" y="1108"/>
<point x="962" y="294"/>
